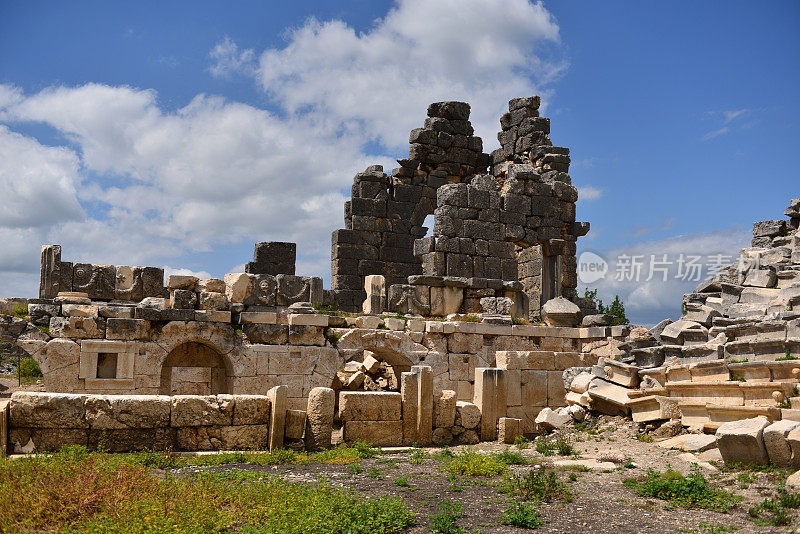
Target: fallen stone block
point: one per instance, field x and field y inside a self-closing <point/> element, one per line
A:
<point x="778" y="448"/>
<point x="508" y="429"/>
<point x="549" y="419"/>
<point x="743" y="441"/>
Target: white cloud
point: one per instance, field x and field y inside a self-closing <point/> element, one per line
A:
<point x="136" y="184"/>
<point x="588" y="193"/>
<point x="229" y="60"/>
<point x="480" y="51"/>
<point x="649" y="301"/>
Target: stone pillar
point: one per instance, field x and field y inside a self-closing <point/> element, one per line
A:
<point x="319" y="420"/>
<point x="277" y="416"/>
<point x="50" y="271"/>
<point x="491" y="398"/>
<point x="410" y="403"/>
<point x="375" y="286"/>
<point x="424" y="375"/>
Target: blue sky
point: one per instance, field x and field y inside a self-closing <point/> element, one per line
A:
<point x="179" y="133"/>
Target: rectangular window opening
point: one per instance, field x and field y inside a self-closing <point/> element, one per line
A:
<point x="107" y="365"/>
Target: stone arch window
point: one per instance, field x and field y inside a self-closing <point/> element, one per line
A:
<point x="194" y="368"/>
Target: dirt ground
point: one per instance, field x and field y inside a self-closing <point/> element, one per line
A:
<point x="600" y="504"/>
<point x="10" y="383"/>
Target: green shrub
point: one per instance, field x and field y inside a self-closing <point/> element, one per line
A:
<point x="564" y="447"/>
<point x="445" y="522"/>
<point x="20" y="311"/>
<point x="545" y="448"/>
<point x="470" y="462"/>
<point x="616" y="309"/>
<point x="690" y="491"/>
<point x="522" y="515"/>
<point x="541" y="485"/>
<point x="510" y="457"/>
<point x="28" y="368"/>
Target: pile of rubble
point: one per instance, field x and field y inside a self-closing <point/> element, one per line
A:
<point x="730" y="366"/>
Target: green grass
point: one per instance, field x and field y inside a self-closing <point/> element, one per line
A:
<point x="540" y="485"/>
<point x="472" y="463"/>
<point x="690" y="491"/>
<point x="20" y="311"/>
<point x="510" y="457"/>
<point x="446" y="520"/>
<point x="644" y="438"/>
<point x="96" y="492"/>
<point x="522" y="515"/>
<point x="775" y="511"/>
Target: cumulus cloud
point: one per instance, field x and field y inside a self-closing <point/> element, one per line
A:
<point x="652" y="276"/>
<point x="381" y="81"/>
<point x="135" y="183"/>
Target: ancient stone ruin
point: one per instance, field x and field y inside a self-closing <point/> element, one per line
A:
<point x="472" y="331"/>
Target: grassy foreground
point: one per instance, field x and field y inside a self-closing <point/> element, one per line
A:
<point x="77" y="491"/>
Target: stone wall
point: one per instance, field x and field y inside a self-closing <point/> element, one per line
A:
<point x="528" y="202"/>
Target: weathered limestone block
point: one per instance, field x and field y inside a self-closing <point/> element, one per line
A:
<point x="743" y="441"/>
<point x="238" y="287"/>
<point x="210" y="300"/>
<point x="176" y="333"/>
<point x="690" y="442"/>
<point x="50" y="272"/>
<point x="202" y="410"/>
<point x="214" y="285"/>
<point x="375" y="286"/>
<point x="673" y="333"/>
<point x="222" y="437"/>
<point x="267" y="334"/>
<point x="47" y="410"/>
<point x="369" y="406"/>
<point x="265" y="289"/>
<point x="277" y="417"/>
<point x="380" y="433"/>
<point x="409" y="392"/>
<point x="181" y="281"/>
<point x="549" y="419"/>
<point x="441" y="437"/>
<point x="127" y="329"/>
<point x="508" y="429"/>
<point x="424" y="376"/>
<point x="468" y="437"/>
<point x="295" y="424"/>
<point x="182" y="299"/>
<point x="27" y="440"/>
<point x="319" y="421"/>
<point x="486" y="400"/>
<point x="775" y="441"/>
<point x="468" y="415"/>
<point x="127" y="411"/>
<point x="561" y="312"/>
<point x="444" y="409"/>
<point x="446" y="300"/>
<point x="77" y="327"/>
<point x="250" y="410"/>
<point x="306" y="335"/>
<point x="98" y="281"/>
<point x="132" y="439"/>
<point x="404" y="298"/>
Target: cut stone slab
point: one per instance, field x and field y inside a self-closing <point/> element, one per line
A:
<point x="743" y="441"/>
<point x="690" y="442"/>
<point x="609" y="398"/>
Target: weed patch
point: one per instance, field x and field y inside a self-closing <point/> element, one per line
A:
<point x="691" y="491"/>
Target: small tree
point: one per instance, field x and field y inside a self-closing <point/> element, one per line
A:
<point x="616" y="309"/>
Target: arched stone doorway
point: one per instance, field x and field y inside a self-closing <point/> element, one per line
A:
<point x="193" y="368"/>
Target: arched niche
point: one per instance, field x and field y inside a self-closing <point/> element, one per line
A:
<point x="194" y="368"/>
